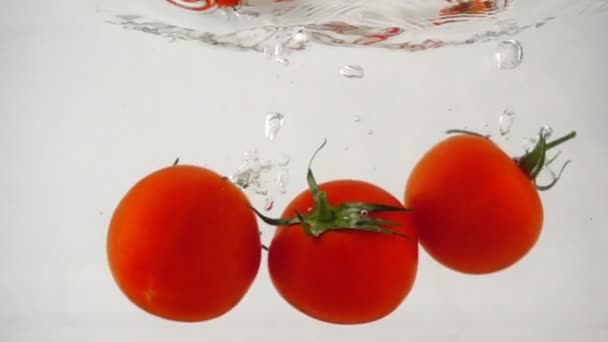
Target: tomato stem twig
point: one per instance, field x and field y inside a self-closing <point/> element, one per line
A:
<point x="533" y="162"/>
<point x="561" y="140"/>
<point x="346" y="216"/>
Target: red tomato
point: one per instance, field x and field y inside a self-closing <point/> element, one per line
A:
<point x="183" y="244"/>
<point x="345" y="276"/>
<point x="476" y="209"/>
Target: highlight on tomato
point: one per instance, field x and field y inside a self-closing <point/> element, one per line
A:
<point x="183" y="244"/>
<point x="476" y="209"/>
<point x="344" y="251"/>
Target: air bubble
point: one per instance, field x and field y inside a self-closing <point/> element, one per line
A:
<point x="505" y="121"/>
<point x="273" y="124"/>
<point x="352" y="71"/>
<point x="509" y="54"/>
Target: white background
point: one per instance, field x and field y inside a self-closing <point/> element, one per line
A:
<point x="87" y="108"/>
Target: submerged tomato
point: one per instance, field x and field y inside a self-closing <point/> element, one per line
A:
<point x="202" y="5"/>
<point x="345" y="276"/>
<point x="476" y="209"/>
<point x="183" y="244"/>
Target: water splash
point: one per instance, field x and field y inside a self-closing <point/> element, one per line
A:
<point x="264" y="178"/>
<point x="410" y="25"/>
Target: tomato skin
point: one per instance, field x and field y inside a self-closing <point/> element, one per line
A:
<point x="475" y="210"/>
<point x="183" y="244"/>
<point x="345" y="277"/>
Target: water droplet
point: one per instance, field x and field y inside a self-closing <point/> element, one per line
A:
<point x="509" y="54"/>
<point x="274" y="122"/>
<point x="546" y="131"/>
<point x="356" y="118"/>
<point x="505" y="121"/>
<point x="284" y="160"/>
<point x="364" y="212"/>
<point x="370" y="132"/>
<point x="352" y="71"/>
<point x="269" y="204"/>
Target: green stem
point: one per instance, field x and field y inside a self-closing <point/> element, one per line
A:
<point x="534" y="161"/>
<point x="324" y="209"/>
<point x="346" y="216"/>
<point x="561" y="140"/>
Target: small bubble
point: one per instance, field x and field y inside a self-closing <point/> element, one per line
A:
<point x="273" y="123"/>
<point x="253" y="155"/>
<point x="283" y="180"/>
<point x="269" y="204"/>
<point x="356" y="118"/>
<point x="243" y="178"/>
<point x="352" y="71"/>
<point x="284" y="160"/>
<point x="282" y="60"/>
<point x="505" y="121"/>
<point x="509" y="54"/>
<point x="261" y="191"/>
<point x="128" y="17"/>
<point x="300" y="37"/>
<point x="364" y="212"/>
<point x="546" y="131"/>
<point x="370" y="132"/>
